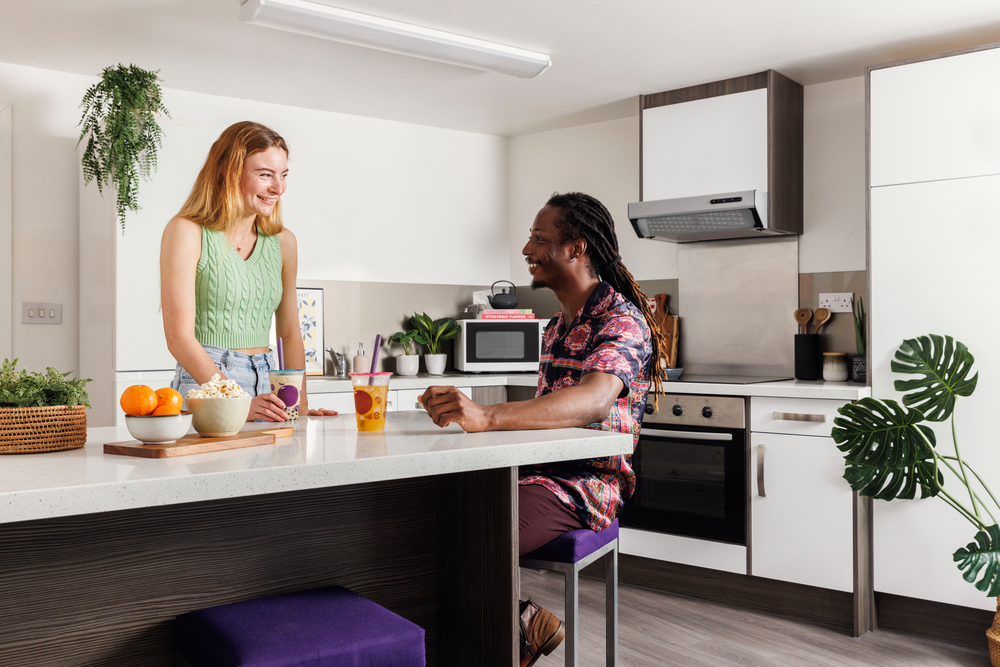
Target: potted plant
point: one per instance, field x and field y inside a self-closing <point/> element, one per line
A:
<point x="41" y="412"/>
<point x="859" y="372"/>
<point x="119" y="124"/>
<point x="432" y="334"/>
<point x="890" y="453"/>
<point x="406" y="363"/>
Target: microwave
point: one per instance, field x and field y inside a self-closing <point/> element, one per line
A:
<point x="498" y="346"/>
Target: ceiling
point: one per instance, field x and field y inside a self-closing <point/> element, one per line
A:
<point x="604" y="52"/>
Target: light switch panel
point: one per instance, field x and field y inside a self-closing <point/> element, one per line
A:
<point x="41" y="313"/>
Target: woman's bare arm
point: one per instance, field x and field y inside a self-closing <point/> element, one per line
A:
<point x="180" y="250"/>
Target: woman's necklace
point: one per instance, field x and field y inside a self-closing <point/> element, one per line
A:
<point x="239" y="244"/>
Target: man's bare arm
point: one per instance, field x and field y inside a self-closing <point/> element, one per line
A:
<point x="586" y="403"/>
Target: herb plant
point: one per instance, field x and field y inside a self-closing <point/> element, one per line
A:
<point x="27" y="390"/>
<point x="433" y="333"/>
<point x="860" y="324"/>
<point x="405" y="340"/>
<point x="891" y="454"/>
<point x="119" y="123"/>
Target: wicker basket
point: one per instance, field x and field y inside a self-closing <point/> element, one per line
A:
<point x="47" y="429"/>
<point x="993" y="638"/>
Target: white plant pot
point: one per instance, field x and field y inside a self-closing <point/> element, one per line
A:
<point x="407" y="364"/>
<point x="435" y="363"/>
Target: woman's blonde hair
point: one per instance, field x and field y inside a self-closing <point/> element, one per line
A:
<point x="216" y="200"/>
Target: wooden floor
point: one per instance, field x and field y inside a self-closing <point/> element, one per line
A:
<point x="657" y="629"/>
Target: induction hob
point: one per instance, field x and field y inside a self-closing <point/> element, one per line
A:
<point x="725" y="379"/>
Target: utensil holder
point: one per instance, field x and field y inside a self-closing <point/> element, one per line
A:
<point x="808" y="357"/>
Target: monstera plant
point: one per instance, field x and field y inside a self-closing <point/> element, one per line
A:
<point x="891" y="452"/>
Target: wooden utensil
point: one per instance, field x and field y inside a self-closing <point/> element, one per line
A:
<point x="802" y="316"/>
<point x="822" y="317"/>
<point x="195" y="444"/>
<point x="672" y="332"/>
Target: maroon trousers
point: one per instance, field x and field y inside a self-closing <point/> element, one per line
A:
<point x="541" y="517"/>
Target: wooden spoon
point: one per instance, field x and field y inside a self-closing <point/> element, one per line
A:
<point x="802" y="316"/>
<point x="822" y="317"/>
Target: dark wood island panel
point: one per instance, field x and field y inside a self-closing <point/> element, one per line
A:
<point x="103" y="589"/>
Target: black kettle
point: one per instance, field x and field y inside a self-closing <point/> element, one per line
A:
<point x="504" y="299"/>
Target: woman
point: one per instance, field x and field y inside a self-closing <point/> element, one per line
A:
<point x="227" y="264"/>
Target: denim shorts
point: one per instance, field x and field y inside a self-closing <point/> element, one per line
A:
<point x="248" y="372"/>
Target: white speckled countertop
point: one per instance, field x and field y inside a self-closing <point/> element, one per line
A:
<point x="846" y="391"/>
<point x="325" y="451"/>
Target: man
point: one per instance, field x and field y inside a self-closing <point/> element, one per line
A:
<point x="595" y="372"/>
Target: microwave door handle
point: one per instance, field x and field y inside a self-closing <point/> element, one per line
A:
<point x="685" y="435"/>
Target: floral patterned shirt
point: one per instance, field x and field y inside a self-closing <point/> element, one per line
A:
<point x="609" y="335"/>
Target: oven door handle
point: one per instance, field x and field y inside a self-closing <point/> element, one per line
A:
<point x="761" y="451"/>
<point x="685" y="435"/>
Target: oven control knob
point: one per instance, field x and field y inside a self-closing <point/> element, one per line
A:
<point x="649" y="408"/>
<point x="678" y="411"/>
<point x="706" y="412"/>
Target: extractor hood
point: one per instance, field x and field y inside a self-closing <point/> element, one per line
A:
<point x="729" y="215"/>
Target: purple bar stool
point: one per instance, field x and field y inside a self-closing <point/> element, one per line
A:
<point x="324" y="627"/>
<point x="569" y="553"/>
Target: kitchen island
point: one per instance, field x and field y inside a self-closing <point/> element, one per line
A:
<point x="99" y="553"/>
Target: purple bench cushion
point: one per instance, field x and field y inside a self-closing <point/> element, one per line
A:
<point x="575" y="545"/>
<point x="324" y="627"/>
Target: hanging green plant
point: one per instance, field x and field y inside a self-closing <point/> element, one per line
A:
<point x="119" y="123"/>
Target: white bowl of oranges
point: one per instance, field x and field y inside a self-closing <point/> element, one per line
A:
<point x="154" y="417"/>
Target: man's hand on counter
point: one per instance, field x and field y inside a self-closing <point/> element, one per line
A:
<point x="447" y="405"/>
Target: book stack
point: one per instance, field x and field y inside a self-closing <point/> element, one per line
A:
<point x="506" y="314"/>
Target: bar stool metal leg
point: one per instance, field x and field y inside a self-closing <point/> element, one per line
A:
<point x="572" y="616"/>
<point x="611" y="607"/>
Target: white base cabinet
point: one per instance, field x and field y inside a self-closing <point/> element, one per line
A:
<point x="802" y="530"/>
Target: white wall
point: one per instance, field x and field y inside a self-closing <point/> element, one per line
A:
<point x="600" y="159"/>
<point x="6" y="254"/>
<point x="834" y="233"/>
<point x="359" y="188"/>
<point x="603" y="160"/>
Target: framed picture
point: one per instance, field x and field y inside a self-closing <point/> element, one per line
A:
<point x="310" y="300"/>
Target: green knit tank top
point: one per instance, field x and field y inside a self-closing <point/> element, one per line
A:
<point x="236" y="298"/>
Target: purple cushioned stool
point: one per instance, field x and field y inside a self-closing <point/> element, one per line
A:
<point x="324" y="627"/>
<point x="569" y="553"/>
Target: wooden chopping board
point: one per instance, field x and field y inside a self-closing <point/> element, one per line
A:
<point x="195" y="444"/>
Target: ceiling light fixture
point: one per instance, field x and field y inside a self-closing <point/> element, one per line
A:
<point x="318" y="20"/>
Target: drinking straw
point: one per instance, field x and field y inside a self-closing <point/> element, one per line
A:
<point x="378" y="344"/>
<point x="281" y="357"/>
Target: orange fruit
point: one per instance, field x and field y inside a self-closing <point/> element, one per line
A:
<point x="166" y="410"/>
<point x="168" y="396"/>
<point x="138" y="400"/>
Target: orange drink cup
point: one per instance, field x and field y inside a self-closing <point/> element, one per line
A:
<point x="371" y="392"/>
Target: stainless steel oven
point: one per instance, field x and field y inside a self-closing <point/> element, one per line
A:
<point x="691" y="469"/>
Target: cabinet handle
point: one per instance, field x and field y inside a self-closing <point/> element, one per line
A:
<point x="799" y="417"/>
<point x="761" y="451"/>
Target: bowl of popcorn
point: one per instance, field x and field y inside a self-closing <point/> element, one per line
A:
<point x="219" y="407"/>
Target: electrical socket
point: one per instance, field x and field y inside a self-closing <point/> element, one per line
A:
<point x="41" y="313"/>
<point x="839" y="302"/>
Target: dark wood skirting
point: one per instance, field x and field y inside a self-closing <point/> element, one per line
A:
<point x="740" y="84"/>
<point x="807" y="603"/>
<point x="477" y="568"/>
<point x="961" y="625"/>
<point x="103" y="589"/>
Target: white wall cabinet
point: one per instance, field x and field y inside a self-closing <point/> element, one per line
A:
<point x="934" y="234"/>
<point x="717" y="144"/>
<point x="935" y="119"/>
<point x="803" y="528"/>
